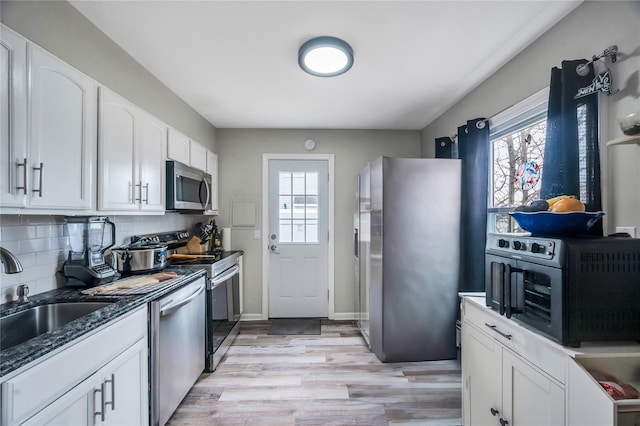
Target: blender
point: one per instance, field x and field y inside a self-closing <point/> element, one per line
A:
<point x="86" y="265"/>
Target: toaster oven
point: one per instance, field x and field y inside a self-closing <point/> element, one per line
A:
<point x="571" y="289"/>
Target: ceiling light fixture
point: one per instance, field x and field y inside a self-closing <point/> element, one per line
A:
<point x="325" y="56"/>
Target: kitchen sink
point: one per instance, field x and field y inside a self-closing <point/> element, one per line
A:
<point x="22" y="326"/>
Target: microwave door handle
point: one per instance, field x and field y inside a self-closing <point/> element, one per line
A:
<point x="206" y="185"/>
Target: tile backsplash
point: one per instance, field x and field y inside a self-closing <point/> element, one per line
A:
<point x="39" y="242"/>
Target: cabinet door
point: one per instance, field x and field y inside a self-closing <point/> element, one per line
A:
<point x="151" y="136"/>
<point x="212" y="169"/>
<point x="178" y="147"/>
<point x="13" y="127"/>
<point x="62" y="105"/>
<point x="481" y="364"/>
<point x="116" y="180"/>
<point x="197" y="156"/>
<point x="126" y="387"/>
<point x="76" y="407"/>
<point x="530" y="397"/>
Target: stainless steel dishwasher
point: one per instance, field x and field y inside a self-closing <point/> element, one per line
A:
<point x="177" y="347"/>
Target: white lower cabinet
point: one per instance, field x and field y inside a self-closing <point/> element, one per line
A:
<point x="515" y="376"/>
<point x="102" y="380"/>
<point x="500" y="386"/>
<point x="529" y="397"/>
<point x="112" y="396"/>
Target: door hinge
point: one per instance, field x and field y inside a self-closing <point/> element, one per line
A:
<point x="327" y="235"/>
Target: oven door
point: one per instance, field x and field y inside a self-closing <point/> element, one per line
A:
<point x="223" y="306"/>
<point x="503" y="287"/>
<point x="542" y="298"/>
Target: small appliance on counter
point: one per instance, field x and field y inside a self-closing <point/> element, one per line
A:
<point x="572" y="289"/>
<point x="86" y="265"/>
<point x="140" y="257"/>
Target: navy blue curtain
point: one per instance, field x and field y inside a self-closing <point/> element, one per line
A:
<point x="473" y="151"/>
<point x="444" y="147"/>
<point x="571" y="155"/>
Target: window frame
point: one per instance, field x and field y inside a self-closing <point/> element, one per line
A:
<point x="522" y="114"/>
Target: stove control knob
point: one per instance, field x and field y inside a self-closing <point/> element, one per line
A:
<point x="502" y="243"/>
<point x="517" y="245"/>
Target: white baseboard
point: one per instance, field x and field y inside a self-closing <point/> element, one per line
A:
<point x="251" y="317"/>
<point x="339" y="316"/>
<point x="344" y="316"/>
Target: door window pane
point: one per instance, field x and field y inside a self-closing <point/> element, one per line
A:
<point x="298" y="207"/>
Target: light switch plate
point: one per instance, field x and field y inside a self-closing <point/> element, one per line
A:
<point x="631" y="230"/>
<point x="256" y="234"/>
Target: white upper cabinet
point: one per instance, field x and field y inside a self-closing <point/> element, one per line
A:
<point x="13" y="127"/>
<point x="198" y="156"/>
<point x="178" y="147"/>
<point x="48" y="159"/>
<point x="186" y="151"/>
<point x="131" y="146"/>
<point x="212" y="169"/>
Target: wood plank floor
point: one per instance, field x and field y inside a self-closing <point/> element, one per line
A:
<point x="330" y="379"/>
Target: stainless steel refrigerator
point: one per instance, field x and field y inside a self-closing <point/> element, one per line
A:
<point x="407" y="257"/>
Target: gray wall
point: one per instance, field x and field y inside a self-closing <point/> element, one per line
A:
<point x="588" y="30"/>
<point x="59" y="28"/>
<point x="241" y="173"/>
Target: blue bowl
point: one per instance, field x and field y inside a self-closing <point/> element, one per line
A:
<point x="557" y="224"/>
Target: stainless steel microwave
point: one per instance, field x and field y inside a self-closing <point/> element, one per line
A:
<point x="188" y="189"/>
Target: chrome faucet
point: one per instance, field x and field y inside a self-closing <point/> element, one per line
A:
<point x="23" y="292"/>
<point x="11" y="263"/>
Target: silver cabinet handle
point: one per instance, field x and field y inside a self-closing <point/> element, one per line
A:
<point x="494" y="328"/>
<point x="146" y="188"/>
<point x="24" y="176"/>
<point x="112" y="403"/>
<point x="102" y="403"/>
<point x="41" y="169"/>
<point x="139" y="185"/>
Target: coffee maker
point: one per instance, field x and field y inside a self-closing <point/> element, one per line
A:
<point x="86" y="265"/>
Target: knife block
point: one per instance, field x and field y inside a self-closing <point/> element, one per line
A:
<point x="194" y="246"/>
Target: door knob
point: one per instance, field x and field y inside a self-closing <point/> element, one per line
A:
<point x="274" y="248"/>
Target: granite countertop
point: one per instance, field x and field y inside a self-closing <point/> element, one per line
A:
<point x="17" y="358"/>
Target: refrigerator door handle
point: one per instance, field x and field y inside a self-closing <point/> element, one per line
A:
<point x="356" y="242"/>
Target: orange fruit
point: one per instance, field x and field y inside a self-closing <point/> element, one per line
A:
<point x="568" y="205"/>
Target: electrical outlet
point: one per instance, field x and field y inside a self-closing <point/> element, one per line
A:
<point x="631" y="230"/>
<point x="256" y="234"/>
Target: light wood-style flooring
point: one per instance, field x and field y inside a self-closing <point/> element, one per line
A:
<point x="330" y="379"/>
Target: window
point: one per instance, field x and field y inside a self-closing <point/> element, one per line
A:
<point x="298" y="207"/>
<point x="516" y="153"/>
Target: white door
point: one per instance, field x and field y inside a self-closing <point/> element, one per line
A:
<point x="298" y="238"/>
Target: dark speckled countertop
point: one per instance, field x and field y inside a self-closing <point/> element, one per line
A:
<point x="16" y="359"/>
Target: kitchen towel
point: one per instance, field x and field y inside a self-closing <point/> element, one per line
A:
<point x="226" y="239"/>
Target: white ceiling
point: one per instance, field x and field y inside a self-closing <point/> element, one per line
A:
<point x="235" y="62"/>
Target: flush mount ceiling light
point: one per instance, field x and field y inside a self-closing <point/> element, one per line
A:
<point x="325" y="56"/>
